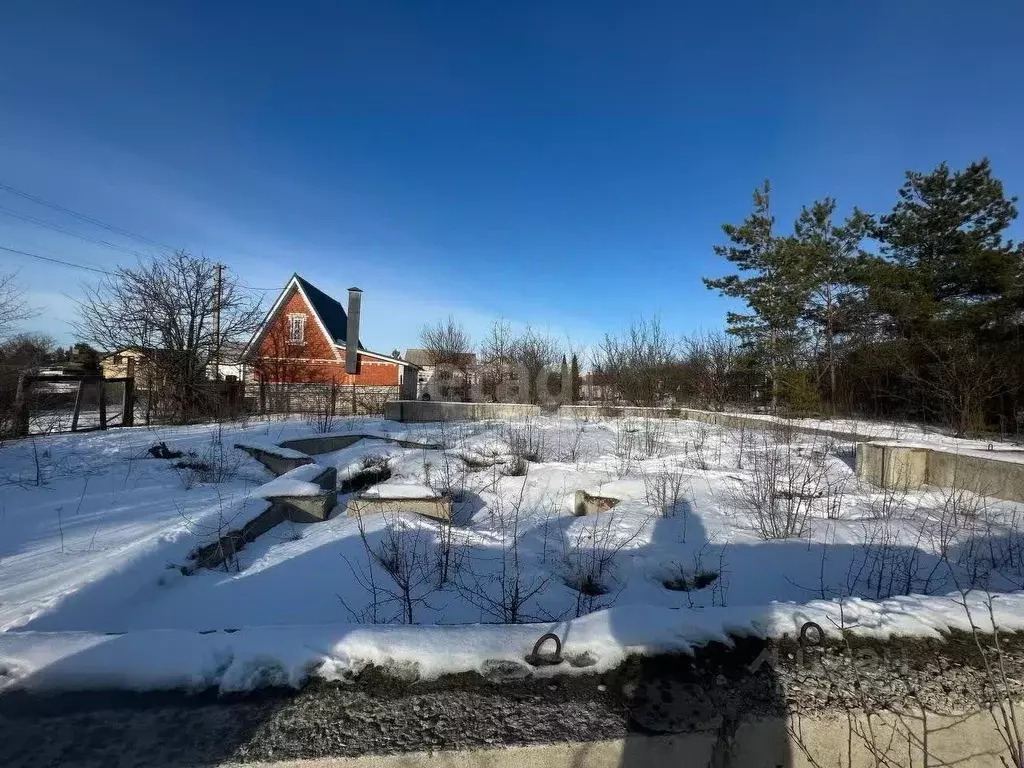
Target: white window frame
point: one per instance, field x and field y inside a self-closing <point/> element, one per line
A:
<point x="296" y="328"/>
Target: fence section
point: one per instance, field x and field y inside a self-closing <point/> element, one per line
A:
<point x="44" y="404"/>
<point x="320" y="400"/>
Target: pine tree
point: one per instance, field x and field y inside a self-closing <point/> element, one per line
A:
<point x="949" y="287"/>
<point x="770" y="283"/>
<point x="574" y="378"/>
<point x="828" y="257"/>
<point x="945" y="267"/>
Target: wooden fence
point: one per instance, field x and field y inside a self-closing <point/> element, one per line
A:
<point x="71" y="404"/>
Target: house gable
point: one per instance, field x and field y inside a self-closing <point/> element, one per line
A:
<point x="303" y="310"/>
<point x="275" y="339"/>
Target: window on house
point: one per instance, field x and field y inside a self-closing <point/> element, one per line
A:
<point x="296" y="329"/>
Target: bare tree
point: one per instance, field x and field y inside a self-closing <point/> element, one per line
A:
<point x="497" y="354"/>
<point x="450" y="350"/>
<point x="166" y="306"/>
<point x="711" y="360"/>
<point x="961" y="376"/>
<point x="637" y="363"/>
<point x="13" y="307"/>
<point x="534" y="353"/>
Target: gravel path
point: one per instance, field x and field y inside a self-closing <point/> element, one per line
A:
<point x="377" y="714"/>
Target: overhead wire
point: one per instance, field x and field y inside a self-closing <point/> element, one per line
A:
<point x="56" y="261"/>
<point x="83" y="217"/>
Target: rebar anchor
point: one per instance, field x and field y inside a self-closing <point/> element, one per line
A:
<point x="538" y="659"/>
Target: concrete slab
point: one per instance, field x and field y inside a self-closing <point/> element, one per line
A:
<point x="437" y="507"/>
<point x="278" y="463"/>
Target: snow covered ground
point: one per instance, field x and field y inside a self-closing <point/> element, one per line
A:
<point x="713" y="530"/>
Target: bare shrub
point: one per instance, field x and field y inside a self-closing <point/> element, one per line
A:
<point x="526" y="439"/>
<point x="216" y="464"/>
<point x="589" y="561"/>
<point x="664" y="489"/>
<point x="711" y="359"/>
<point x="702" y="431"/>
<point x="575" y="447"/>
<point x="883" y="565"/>
<point x="637" y="363"/>
<point x="651" y="438"/>
<point x="783" y="485"/>
<point x="405" y="554"/>
<point x="322" y="414"/>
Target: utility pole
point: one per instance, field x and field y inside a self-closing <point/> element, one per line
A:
<point x="218" y="289"/>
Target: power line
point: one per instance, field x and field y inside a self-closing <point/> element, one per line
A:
<point x="57" y="261"/>
<point x="66" y="231"/>
<point x="83" y="217"/>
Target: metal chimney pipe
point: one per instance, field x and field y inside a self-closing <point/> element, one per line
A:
<point x="352" y="333"/>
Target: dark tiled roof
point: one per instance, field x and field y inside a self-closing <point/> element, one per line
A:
<point x="331" y="313"/>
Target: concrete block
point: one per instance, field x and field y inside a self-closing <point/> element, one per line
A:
<point x="274" y="462"/>
<point x="306" y="509"/>
<point x="585" y="504"/>
<point x="438" y="507"/>
<point x="905" y="467"/>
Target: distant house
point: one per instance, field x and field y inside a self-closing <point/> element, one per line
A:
<point x="231" y="366"/>
<point x="305" y="339"/>
<point x="451" y="384"/>
<point x="137" y="362"/>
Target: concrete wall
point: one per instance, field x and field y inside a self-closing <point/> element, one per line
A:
<point x="437" y="508"/>
<point x="420" y="410"/>
<point x="907" y="467"/>
<point x="903" y="741"/>
<point x="431" y="410"/>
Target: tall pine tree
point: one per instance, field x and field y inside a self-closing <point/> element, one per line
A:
<point x="828" y="256"/>
<point x="769" y="282"/>
<point x="948" y="285"/>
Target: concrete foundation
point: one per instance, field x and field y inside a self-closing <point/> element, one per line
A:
<point x="429" y="410"/>
<point x="328" y="443"/>
<point x="439" y="507"/>
<point x="999" y="474"/>
<point x="275" y="463"/>
<point x="850" y="739"/>
<point x="585" y="504"/>
<point x="420" y="410"/>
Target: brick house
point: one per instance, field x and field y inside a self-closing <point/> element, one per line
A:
<point x="302" y="347"/>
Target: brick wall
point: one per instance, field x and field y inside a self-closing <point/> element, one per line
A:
<point x="314" y="360"/>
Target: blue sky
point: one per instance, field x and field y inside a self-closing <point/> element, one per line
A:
<point x="562" y="164"/>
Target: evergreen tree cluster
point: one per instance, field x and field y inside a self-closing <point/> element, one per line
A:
<point x="916" y="313"/>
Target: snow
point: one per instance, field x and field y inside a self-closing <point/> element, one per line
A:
<point x="295" y="482"/>
<point x="272" y="448"/>
<point x="92" y="531"/>
<point x="400" y="491"/>
<point x="253" y="657"/>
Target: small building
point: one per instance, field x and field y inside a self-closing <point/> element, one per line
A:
<point x="129" y="362"/>
<point x="305" y="340"/>
<point x="450" y="382"/>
